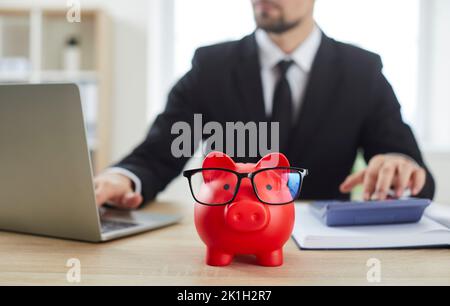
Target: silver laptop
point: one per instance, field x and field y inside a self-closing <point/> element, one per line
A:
<point x="46" y="185"/>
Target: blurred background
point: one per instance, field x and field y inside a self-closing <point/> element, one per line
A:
<point x="125" y="56"/>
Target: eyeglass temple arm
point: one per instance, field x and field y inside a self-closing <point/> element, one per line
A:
<point x="189" y="173"/>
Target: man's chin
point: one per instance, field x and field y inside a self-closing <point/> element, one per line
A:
<point x="276" y="27"/>
<point x="268" y="25"/>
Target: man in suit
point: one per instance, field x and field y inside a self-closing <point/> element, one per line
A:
<point x="331" y="100"/>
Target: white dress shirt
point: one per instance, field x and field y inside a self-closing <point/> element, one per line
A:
<point x="270" y="55"/>
<point x="297" y="76"/>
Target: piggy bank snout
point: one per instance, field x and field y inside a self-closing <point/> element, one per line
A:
<point x="247" y="216"/>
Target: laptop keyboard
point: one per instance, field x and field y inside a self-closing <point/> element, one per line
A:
<point x="112" y="226"/>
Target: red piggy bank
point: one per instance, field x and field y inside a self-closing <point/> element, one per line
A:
<point x="245" y="209"/>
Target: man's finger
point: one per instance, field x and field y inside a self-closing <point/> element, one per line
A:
<point x="132" y="200"/>
<point x="104" y="193"/>
<point x="370" y="181"/>
<point x="405" y="172"/>
<point x="371" y="176"/>
<point x="385" y="180"/>
<point x="418" y="181"/>
<point x="101" y="196"/>
<point x="352" y="181"/>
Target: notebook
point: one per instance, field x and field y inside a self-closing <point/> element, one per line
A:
<point x="432" y="231"/>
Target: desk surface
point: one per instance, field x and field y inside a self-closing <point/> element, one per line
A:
<point x="175" y="256"/>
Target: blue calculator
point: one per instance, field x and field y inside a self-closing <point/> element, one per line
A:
<point x="336" y="213"/>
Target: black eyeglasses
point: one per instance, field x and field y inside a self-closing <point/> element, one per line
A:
<point x="272" y="186"/>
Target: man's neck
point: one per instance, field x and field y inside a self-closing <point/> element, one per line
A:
<point x="289" y="41"/>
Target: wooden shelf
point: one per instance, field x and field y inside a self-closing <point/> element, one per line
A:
<point x="36" y="37"/>
<point x="51" y="76"/>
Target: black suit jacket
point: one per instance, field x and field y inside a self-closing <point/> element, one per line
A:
<point x="349" y="105"/>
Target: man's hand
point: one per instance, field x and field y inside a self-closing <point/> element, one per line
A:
<point x="116" y="189"/>
<point x="384" y="173"/>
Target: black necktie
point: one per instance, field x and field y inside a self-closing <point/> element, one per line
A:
<point x="282" y="105"/>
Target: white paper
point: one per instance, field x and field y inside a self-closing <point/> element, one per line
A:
<point x="439" y="213"/>
<point x="312" y="233"/>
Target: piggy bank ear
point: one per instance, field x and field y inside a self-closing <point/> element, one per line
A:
<point x="273" y="160"/>
<point x="217" y="160"/>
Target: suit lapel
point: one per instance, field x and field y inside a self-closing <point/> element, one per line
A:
<point x="318" y="97"/>
<point x="322" y="87"/>
<point x="249" y="83"/>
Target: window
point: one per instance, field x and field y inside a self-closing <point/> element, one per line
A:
<point x="389" y="28"/>
<point x="204" y="22"/>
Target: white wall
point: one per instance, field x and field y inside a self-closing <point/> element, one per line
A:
<point x="131" y="79"/>
<point x="435" y="98"/>
<point x="439" y="65"/>
<point x="161" y="54"/>
<point x="439" y="163"/>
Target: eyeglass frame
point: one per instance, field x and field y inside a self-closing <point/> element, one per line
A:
<point x="251" y="176"/>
